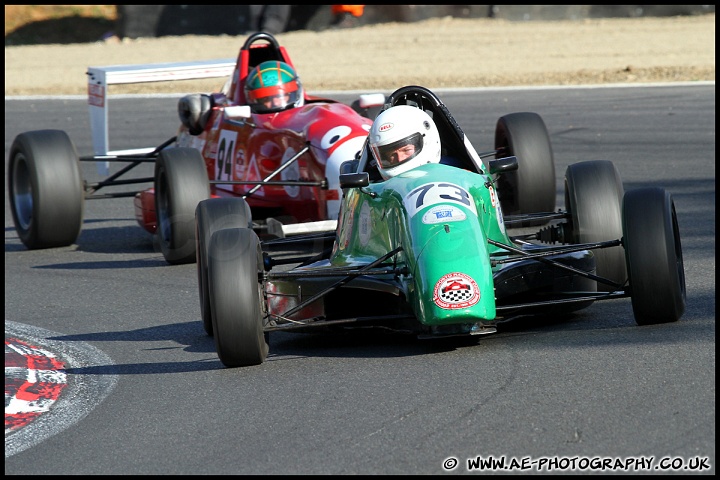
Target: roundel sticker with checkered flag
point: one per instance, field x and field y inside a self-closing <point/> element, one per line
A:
<point x="456" y="290"/>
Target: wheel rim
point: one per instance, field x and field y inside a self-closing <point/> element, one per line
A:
<point x="22" y="192"/>
<point x="679" y="264"/>
<point x="163" y="215"/>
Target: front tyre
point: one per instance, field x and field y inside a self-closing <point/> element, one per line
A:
<point x="593" y="198"/>
<point x="531" y="188"/>
<point x="235" y="268"/>
<point x="654" y="256"/>
<point x="181" y="182"/>
<point x="46" y="191"/>
<point x="212" y="215"/>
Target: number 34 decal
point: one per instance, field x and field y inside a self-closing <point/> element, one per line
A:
<point x="435" y="193"/>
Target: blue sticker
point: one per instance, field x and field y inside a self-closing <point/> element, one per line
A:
<point x="443" y="214"/>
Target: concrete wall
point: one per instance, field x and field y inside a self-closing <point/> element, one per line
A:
<point x="159" y="20"/>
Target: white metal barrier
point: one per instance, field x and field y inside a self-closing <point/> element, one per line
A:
<point x="100" y="78"/>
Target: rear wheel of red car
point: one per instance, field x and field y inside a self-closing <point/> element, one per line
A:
<point x="531" y="188"/>
<point x="181" y="182"/>
<point x="593" y="198"/>
<point x="235" y="267"/>
<point x="654" y="256"/>
<point x="212" y="215"/>
<point x="46" y="191"/>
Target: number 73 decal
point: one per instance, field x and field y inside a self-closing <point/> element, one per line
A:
<point x="436" y="193"/>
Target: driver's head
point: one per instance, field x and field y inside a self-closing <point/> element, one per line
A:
<point x="403" y="137"/>
<point x="273" y="86"/>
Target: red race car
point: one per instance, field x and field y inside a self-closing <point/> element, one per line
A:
<point x="284" y="159"/>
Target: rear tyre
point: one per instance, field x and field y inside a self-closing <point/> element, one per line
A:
<point x="47" y="197"/>
<point x="593" y="198"/>
<point x="531" y="188"/>
<point x="654" y="256"/>
<point x="212" y="215"/>
<point x="181" y="182"/>
<point x="235" y="267"/>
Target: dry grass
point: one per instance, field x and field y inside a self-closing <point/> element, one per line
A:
<point x="61" y="24"/>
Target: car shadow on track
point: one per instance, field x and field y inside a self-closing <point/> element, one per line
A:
<point x="106" y="240"/>
<point x="378" y="343"/>
<point x="115" y="239"/>
<point x="579" y="330"/>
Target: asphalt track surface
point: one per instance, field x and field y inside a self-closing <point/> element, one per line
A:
<point x="146" y="394"/>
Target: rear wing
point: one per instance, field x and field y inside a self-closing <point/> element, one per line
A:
<point x="100" y="79"/>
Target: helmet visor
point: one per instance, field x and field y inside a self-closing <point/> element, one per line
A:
<point x="399" y="151"/>
<point x="275" y="98"/>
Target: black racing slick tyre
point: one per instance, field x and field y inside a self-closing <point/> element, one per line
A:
<point x="654" y="256"/>
<point x="531" y="188"/>
<point x="212" y="215"/>
<point x="239" y="310"/>
<point x="181" y="182"/>
<point x="593" y="198"/>
<point x="45" y="186"/>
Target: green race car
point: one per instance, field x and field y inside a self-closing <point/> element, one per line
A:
<point x="445" y="249"/>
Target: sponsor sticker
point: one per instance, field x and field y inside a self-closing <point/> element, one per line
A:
<point x="493" y="196"/>
<point x="456" y="290"/>
<point x="96" y="95"/>
<point x="443" y="214"/>
<point x="386" y="126"/>
<point x="365" y="226"/>
<point x="496" y="204"/>
<point x="500" y="219"/>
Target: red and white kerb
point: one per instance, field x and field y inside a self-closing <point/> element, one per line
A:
<point x="34" y="379"/>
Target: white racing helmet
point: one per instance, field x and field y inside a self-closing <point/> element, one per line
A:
<point x="402" y="138"/>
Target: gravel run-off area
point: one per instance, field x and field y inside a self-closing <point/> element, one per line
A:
<point x="436" y="53"/>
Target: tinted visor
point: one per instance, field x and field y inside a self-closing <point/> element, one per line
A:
<point x="276" y="98"/>
<point x="399" y="151"/>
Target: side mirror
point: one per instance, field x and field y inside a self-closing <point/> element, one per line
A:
<point x="194" y="111"/>
<point x="502" y="165"/>
<point x="354" y="180"/>
<point x="349" y="166"/>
